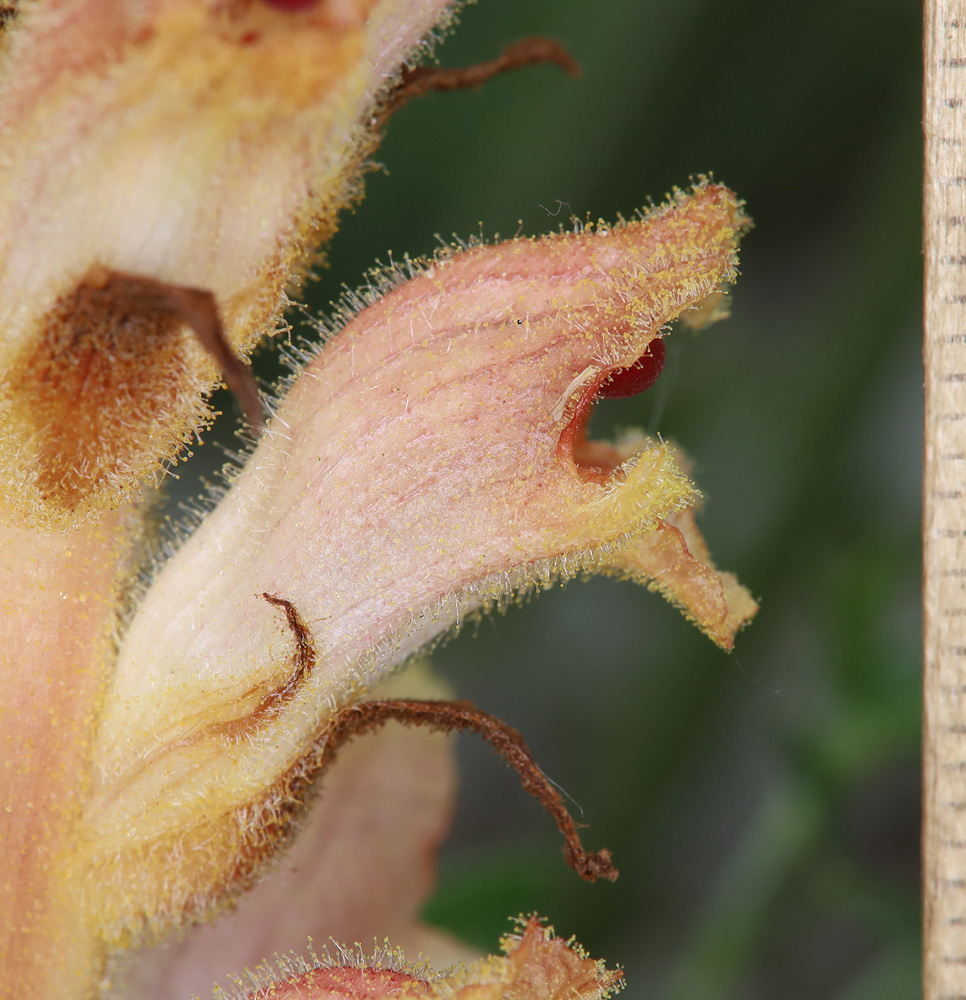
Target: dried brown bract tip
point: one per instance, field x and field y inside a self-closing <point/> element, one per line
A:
<point x="463" y="716"/>
<point x="421" y="80"/>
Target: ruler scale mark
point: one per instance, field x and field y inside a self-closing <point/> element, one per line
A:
<point x="944" y="502"/>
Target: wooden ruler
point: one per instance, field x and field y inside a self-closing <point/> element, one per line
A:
<point x="944" y="500"/>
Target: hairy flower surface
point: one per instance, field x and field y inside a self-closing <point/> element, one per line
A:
<point x="162" y="744"/>
<point x="198" y="143"/>
<point x="427" y="463"/>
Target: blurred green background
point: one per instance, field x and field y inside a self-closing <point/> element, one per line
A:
<point x="763" y="807"/>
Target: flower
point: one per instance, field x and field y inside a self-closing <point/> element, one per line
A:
<point x="428" y="463"/>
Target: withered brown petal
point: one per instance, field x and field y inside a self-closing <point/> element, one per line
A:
<point x="201" y="145"/>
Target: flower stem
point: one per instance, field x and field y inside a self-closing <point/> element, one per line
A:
<point x="59" y="591"/>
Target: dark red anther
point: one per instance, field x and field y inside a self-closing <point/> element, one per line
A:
<point x="636" y="377"/>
